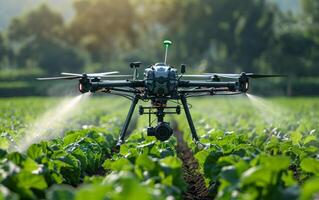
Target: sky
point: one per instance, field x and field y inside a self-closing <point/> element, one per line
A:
<point x="11" y="8"/>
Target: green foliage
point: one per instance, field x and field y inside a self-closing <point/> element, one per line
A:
<point x="46" y="164"/>
<point x="40" y="23"/>
<point x="60" y="192"/>
<point x="239" y="33"/>
<point x="311" y="10"/>
<point x="103" y="28"/>
<point x="51" y="54"/>
<point x="2" y="48"/>
<point x="39" y="37"/>
<point x="6" y="53"/>
<point x="310" y="165"/>
<point x="310" y="189"/>
<point x="250" y="156"/>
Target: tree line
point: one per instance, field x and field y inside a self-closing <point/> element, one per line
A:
<point x="210" y="36"/>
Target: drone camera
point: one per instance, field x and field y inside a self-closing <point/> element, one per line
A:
<point x="162" y="131"/>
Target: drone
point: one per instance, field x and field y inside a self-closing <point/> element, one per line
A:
<point x="161" y="83"/>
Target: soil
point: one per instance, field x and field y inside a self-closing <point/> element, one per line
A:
<point x="196" y="187"/>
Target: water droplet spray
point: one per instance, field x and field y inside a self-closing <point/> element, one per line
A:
<point x="52" y="123"/>
<point x="270" y="112"/>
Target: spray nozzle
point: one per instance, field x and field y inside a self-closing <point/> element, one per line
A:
<point x="243" y="82"/>
<point x="166" y="43"/>
<point x="85" y="85"/>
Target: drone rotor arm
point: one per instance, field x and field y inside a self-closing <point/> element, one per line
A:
<point x="117" y="76"/>
<point x="232" y="76"/>
<point x="249" y="75"/>
<point x="212" y="88"/>
<point x="113" y="84"/>
<point x="206" y="84"/>
<point x="197" y="76"/>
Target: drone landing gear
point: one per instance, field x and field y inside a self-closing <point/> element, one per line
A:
<point x="127" y="122"/>
<point x="189" y="119"/>
<point x="162" y="127"/>
<point x="191" y="124"/>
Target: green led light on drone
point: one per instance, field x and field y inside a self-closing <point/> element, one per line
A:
<point x="167" y="43"/>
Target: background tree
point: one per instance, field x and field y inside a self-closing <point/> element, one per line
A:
<point x="311" y="17"/>
<point x="208" y="36"/>
<point x="7" y="57"/>
<point x="40" y="23"/>
<point x="3" y="50"/>
<point x="225" y="34"/>
<point x="104" y="28"/>
<point x="311" y="14"/>
<point x="52" y="55"/>
<point x="39" y="38"/>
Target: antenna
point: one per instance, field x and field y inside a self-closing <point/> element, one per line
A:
<point x="167" y="43"/>
<point x="135" y="65"/>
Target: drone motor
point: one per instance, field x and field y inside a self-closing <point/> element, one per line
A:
<point x="84" y="84"/>
<point x="243" y="82"/>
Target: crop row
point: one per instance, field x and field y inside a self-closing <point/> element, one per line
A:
<point x="245" y="158"/>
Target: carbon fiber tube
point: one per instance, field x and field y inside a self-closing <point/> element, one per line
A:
<point x="110" y="84"/>
<point x="230" y="85"/>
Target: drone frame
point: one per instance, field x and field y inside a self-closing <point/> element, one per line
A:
<point x="136" y="90"/>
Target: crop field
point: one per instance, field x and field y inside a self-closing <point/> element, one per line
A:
<point x="255" y="148"/>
